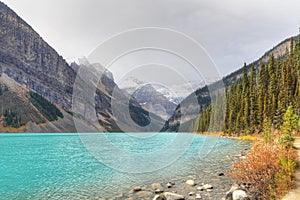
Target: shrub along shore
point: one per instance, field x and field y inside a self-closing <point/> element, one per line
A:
<point x="269" y="168"/>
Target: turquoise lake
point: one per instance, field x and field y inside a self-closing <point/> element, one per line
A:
<point x="61" y="166"/>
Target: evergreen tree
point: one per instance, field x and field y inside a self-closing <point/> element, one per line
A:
<point x="267" y="131"/>
<point x="290" y="121"/>
<point x="253" y="100"/>
<point x="263" y="97"/>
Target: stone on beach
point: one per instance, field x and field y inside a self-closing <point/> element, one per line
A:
<point x="191" y="193"/>
<point x="135" y="189"/>
<point x="120" y="195"/>
<point x="233" y="188"/>
<point x="169" y="196"/>
<point x="155" y="186"/>
<point x="173" y="196"/>
<point x="200" y="188"/>
<point x="236" y="193"/>
<point x="239" y="195"/>
<point x="143" y="194"/>
<point x="159" y="190"/>
<point x="190" y="182"/>
<point x="159" y="197"/>
<point x="207" y="186"/>
<point x="170" y="184"/>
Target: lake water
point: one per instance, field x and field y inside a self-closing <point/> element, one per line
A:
<point x="60" y="166"/>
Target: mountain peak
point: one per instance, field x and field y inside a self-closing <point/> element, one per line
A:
<point x="27" y="60"/>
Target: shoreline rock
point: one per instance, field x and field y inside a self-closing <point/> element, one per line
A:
<point x="237" y="192"/>
<point x="206" y="185"/>
<point x="135" y="189"/>
<point x="190" y="183"/>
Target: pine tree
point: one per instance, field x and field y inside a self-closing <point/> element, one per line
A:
<point x="246" y="101"/>
<point x="272" y="93"/>
<point x="260" y="98"/>
<point x="253" y="100"/>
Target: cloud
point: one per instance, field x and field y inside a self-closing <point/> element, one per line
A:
<point x="232" y="31"/>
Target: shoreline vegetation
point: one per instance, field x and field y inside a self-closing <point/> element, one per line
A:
<point x="262" y="106"/>
<point x="268" y="170"/>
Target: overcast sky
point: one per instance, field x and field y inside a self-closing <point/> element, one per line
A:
<point x="232" y="31"/>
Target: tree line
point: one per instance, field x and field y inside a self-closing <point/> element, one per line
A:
<point x="49" y="110"/>
<point x="12" y="119"/>
<point x="261" y="96"/>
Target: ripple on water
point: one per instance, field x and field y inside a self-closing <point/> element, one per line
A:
<point x="58" y="166"/>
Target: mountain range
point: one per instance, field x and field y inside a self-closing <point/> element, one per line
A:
<point x="204" y="95"/>
<point x="29" y="64"/>
<point x="37" y="85"/>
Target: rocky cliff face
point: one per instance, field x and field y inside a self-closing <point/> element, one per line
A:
<point x="152" y="100"/>
<point x="28" y="60"/>
<point x="152" y="97"/>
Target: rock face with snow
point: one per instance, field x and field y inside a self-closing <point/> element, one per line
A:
<point x="152" y="100"/>
<point x="31" y="63"/>
<point x="150" y="97"/>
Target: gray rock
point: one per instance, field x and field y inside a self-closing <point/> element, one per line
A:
<point x="159" y="190"/>
<point x="191" y="193"/>
<point x="200" y="188"/>
<point x="207" y="186"/>
<point x="135" y="189"/>
<point x="190" y="182"/>
<point x="159" y="197"/>
<point x="169" y="185"/>
<point x="155" y="186"/>
<point x="120" y="196"/>
<point x="173" y="183"/>
<point x="198" y="196"/>
<point x="143" y="194"/>
<point x="233" y="188"/>
<point x="173" y="196"/>
<point x="239" y="195"/>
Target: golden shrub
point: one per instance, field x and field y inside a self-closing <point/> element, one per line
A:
<point x="268" y="168"/>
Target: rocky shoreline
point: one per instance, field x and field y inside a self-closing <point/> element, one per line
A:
<point x="215" y="186"/>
